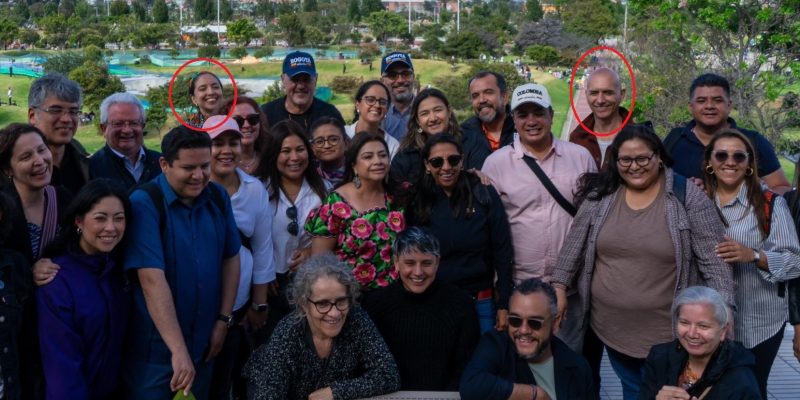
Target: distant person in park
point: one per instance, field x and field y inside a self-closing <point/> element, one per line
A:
<point x="397" y="73"/>
<point x="604" y="93"/>
<point x="492" y="121"/>
<point x="299" y="81"/>
<point x="372" y="101"/>
<point x="710" y="105"/>
<point x="528" y="361"/>
<point x="54" y="105"/>
<point x="254" y="128"/>
<point x="430" y="326"/>
<point x="205" y="94"/>
<point x="10" y="95"/>
<point x="124" y="158"/>
<point x="329" y="142"/>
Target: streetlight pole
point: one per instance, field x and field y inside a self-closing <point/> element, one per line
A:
<point x="409" y="17"/>
<point x="218" y="38"/>
<point x="458" y="16"/>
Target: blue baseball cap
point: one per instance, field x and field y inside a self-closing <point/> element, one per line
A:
<point x="298" y="62"/>
<point x="395" y="57"/>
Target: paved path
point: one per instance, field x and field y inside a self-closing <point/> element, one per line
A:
<point x="784" y="379"/>
<point x="583" y="110"/>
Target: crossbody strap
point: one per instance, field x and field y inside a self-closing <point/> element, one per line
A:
<point x="548" y="184"/>
<point x="50" y="223"/>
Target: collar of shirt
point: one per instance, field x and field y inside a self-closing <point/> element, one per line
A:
<point x="740" y="198"/>
<point x="520" y="150"/>
<point x="141" y="158"/>
<point x="395" y="111"/>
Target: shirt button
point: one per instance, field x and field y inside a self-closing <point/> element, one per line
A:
<point x="2" y="319"/>
<point x="5" y="349"/>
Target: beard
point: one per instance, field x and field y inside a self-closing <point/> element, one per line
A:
<point x="403" y="98"/>
<point x="489" y="118"/>
<point x="543" y="346"/>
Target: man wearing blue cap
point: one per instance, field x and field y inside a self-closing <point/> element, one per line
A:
<point x="299" y="81"/>
<point x="397" y="73"/>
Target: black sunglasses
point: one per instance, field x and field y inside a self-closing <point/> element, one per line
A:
<point x="738" y="156"/>
<point x="533" y="323"/>
<point x="252" y="119"/>
<point x="292" y="228"/>
<point x="438" y="162"/>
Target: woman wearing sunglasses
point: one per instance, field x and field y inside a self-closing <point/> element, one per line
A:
<point x="760" y="243"/>
<point x="470" y="222"/>
<point x="640" y="235"/>
<point x="329" y="141"/>
<point x="372" y="104"/>
<point x="295" y="189"/>
<point x="254" y="127"/>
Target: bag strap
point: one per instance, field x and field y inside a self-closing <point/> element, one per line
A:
<point x="548" y="184"/>
<point x="50" y="222"/>
<point x="679" y="187"/>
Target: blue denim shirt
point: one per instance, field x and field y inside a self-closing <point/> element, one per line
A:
<point x="396" y="123"/>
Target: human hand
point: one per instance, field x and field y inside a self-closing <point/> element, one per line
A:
<point x="673" y="392"/>
<point x="485" y="180"/>
<point x="44" y="271"/>
<point x="732" y="251"/>
<point x="298" y="257"/>
<point x="273" y="288"/>
<point x="217" y="340"/>
<point x="561" y="297"/>
<point x="796" y="342"/>
<point x="322" y="394"/>
<point x="501" y="320"/>
<point x="698" y="182"/>
<point x="182" y="372"/>
<point x="254" y="320"/>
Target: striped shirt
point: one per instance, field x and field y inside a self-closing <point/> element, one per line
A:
<point x="761" y="312"/>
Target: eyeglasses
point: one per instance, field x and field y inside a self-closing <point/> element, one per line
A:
<point x="533" y="323"/>
<point x="438" y="162"/>
<point x="641" y="161"/>
<point x="371" y="100"/>
<point x="325" y="306"/>
<point x="333" y="140"/>
<point x="252" y="119"/>
<point x="394" y="74"/>
<point x="738" y="156"/>
<point x="130" y="124"/>
<point x="58" y="111"/>
<point x="292" y="228"/>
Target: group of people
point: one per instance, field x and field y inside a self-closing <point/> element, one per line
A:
<point x="280" y="253"/>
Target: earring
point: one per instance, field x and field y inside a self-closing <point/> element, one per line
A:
<point x="748" y="171"/>
<point x="709" y="170"/>
<point x="419" y="130"/>
<point x="357" y="182"/>
<point x="79" y="231"/>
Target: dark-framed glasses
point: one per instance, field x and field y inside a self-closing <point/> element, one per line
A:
<point x="438" y="162"/>
<point x="333" y="140"/>
<point x="722" y="156"/>
<point x="533" y="323"/>
<point x="292" y="228"/>
<point x="371" y="100"/>
<point x="58" y="111"/>
<point x="641" y="161"/>
<point x="394" y="74"/>
<point x="325" y="306"/>
<point x="252" y="119"/>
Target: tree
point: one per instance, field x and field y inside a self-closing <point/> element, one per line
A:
<point x="371" y="6"/>
<point x="466" y="45"/>
<point x="119" y="8"/>
<point x="205" y="10"/>
<point x="310" y="6"/>
<point x="550" y="32"/>
<point x="242" y="31"/>
<point x="97" y="83"/>
<point x="591" y="18"/>
<point x="28" y="36"/>
<point x="139" y="10"/>
<point x="225" y="11"/>
<point x="152" y="35"/>
<point x="63" y="62"/>
<point x="8" y="31"/>
<point x="156" y="113"/>
<point x="353" y="11"/>
<point x="160" y="12"/>
<point x="263" y="51"/>
<point x="208" y="52"/>
<point x="238" y="52"/>
<point x="293" y="30"/>
<point x="534" y="9"/>
<point x="384" y="23"/>
<point x="66" y="7"/>
<point x="272" y="92"/>
<point x="208" y="38"/>
<point x="542" y="56"/>
<point x="58" y="28"/>
<point x="314" y="36"/>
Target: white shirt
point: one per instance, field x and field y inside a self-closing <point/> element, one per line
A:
<point x="393" y="144"/>
<point x="253" y="215"/>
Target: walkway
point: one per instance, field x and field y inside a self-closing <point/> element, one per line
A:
<point x="583" y="110"/>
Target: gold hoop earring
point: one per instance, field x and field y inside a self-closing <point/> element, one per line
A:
<point x="709" y="170"/>
<point x="748" y="172"/>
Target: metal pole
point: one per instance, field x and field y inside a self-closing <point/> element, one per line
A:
<point x="409" y="17"/>
<point x="458" y="16"/>
<point x="218" y="38"/>
<point x="625" y="30"/>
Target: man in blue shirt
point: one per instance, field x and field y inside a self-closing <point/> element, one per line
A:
<point x="397" y="73"/>
<point x="710" y="106"/>
<point x="184" y="260"/>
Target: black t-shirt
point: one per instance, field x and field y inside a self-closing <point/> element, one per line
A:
<point x="276" y="112"/>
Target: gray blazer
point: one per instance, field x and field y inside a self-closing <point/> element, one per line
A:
<point x="695" y="228"/>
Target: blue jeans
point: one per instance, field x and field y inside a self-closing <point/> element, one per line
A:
<point x="629" y="370"/>
<point x="486" y="314"/>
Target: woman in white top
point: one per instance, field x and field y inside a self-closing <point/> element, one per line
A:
<point x="372" y="104"/>
<point x="295" y="189"/>
<point x="251" y="209"/>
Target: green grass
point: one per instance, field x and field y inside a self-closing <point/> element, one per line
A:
<point x="559" y="95"/>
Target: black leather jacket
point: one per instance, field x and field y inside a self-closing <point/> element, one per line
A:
<point x="793" y="199"/>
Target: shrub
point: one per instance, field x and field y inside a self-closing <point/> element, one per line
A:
<point x="345" y="84"/>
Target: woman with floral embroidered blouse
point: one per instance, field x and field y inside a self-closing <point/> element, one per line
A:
<point x="358" y="220"/>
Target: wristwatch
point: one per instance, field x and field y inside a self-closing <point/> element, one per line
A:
<point x="227" y="319"/>
<point x="260" y="307"/>
<point x="756" y="256"/>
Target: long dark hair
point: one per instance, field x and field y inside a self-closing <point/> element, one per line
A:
<point x="351" y="155"/>
<point x="268" y="167"/>
<point x="263" y="124"/>
<point x="596" y="185"/>
<point x="461" y="200"/>
<point x="89" y="195"/>
<point x="755" y="196"/>
<point x="415" y="138"/>
<point x="362" y="90"/>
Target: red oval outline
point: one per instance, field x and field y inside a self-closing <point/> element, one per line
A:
<point x="172" y="82"/>
<point x="572" y="86"/>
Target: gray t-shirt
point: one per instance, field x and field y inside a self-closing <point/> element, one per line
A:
<point x="545" y="376"/>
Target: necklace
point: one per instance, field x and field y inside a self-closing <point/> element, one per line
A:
<point x="688" y="377"/>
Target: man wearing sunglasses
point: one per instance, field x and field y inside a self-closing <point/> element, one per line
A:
<point x="710" y="105"/>
<point x="397" y="73"/>
<point x="528" y="361"/>
<point x="124" y="158"/>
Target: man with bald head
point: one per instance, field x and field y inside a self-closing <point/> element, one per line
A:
<point x="604" y="93"/>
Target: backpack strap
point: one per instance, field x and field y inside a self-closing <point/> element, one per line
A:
<point x="679" y="187"/>
<point x="50" y="220"/>
<point x="769" y="204"/>
<point x="671" y="140"/>
<point x="157" y="197"/>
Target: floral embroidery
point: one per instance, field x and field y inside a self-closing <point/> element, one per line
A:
<point x="365" y="274"/>
<point x="396" y="221"/>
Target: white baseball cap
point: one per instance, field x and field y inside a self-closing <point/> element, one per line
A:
<point x="530" y="93"/>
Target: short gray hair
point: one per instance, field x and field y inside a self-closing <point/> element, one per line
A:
<point x="325" y="265"/>
<point x="120" y="98"/>
<point x="57" y="85"/>
<point x="701" y="295"/>
<point x="415" y="238"/>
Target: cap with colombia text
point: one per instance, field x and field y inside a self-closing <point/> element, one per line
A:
<point x="298" y="62"/>
<point x="397" y="56"/>
<point x="530" y="93"/>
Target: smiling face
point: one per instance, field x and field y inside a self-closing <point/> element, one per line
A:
<point x="329" y="324"/>
<point x="487" y="101"/>
<point x="293" y="158"/>
<point x="245" y="113"/>
<point x="416" y="270"/>
<point x="447" y="174"/>
<point x="710" y="106"/>
<point x="299" y="90"/>
<point x="433" y="116"/>
<point x="207" y="93"/>
<point x="603" y="93"/>
<point x="322" y="139"/>
<point x="124" y="130"/>
<point x="31" y="162"/>
<point x="374" y="113"/>
<point x="103" y="226"/>
<point x="399" y="78"/>
<point x="533" y="123"/>
<point x="56" y="118"/>
<point x="532" y="345"/>
<point x="636" y="176"/>
<point x="698" y="330"/>
<point x="189" y="173"/>
<point x="226" y="151"/>
<point x="730" y="173"/>
<point x="372" y="161"/>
